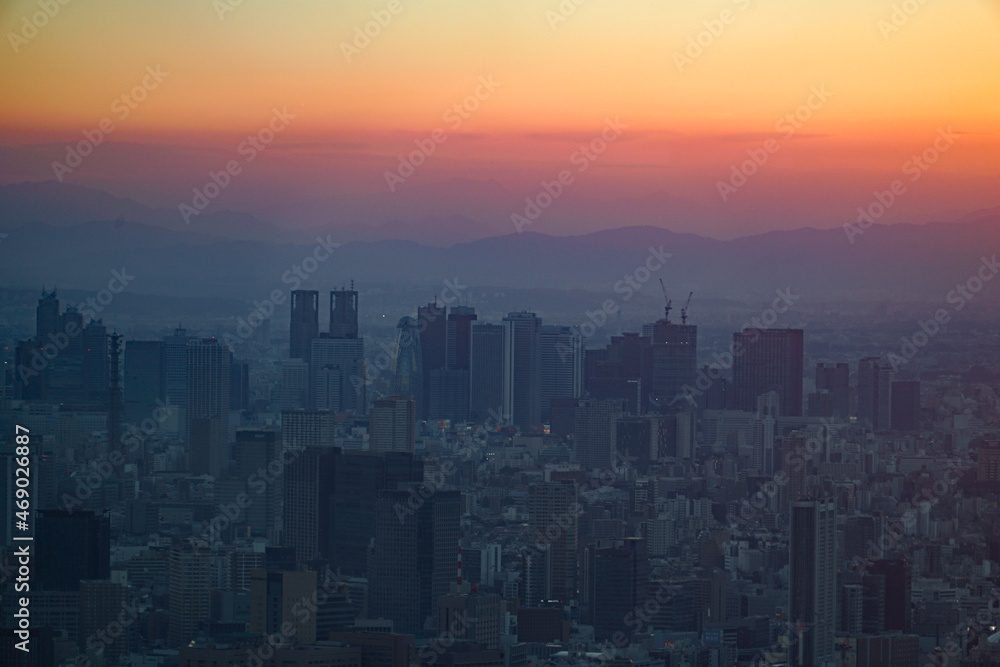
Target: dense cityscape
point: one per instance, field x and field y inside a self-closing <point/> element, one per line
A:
<point x="495" y="493"/>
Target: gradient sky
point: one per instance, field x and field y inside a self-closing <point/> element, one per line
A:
<point x="891" y="93"/>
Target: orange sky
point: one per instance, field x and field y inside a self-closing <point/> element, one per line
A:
<point x="559" y="80"/>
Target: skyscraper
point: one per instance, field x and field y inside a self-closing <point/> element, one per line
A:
<point x="432" y="321"/>
<point x="144" y="379"/>
<point x="175" y="377"/>
<point x="392" y="425"/>
<point x="189" y="579"/>
<point x="552" y="525"/>
<point x="337" y="373"/>
<point x="898" y="575"/>
<point x="415" y="550"/>
<point x="208" y="376"/>
<point x="276" y="604"/>
<point x="875" y="378"/>
<point x="675" y="361"/>
<point x="617" y="578"/>
<point x="84" y="534"/>
<point x="594" y="428"/>
<point x="813" y="577"/>
<point x="344" y="313"/>
<point x="407" y="362"/>
<point x="304" y="326"/>
<point x="459" y="335"/>
<point x="522" y="382"/>
<point x="624" y="370"/>
<point x="308" y="498"/>
<point x="561" y="358"/>
<point x="486" y="370"/>
<point x="905" y="410"/>
<point x="835" y="379"/>
<point x="768" y="360"/>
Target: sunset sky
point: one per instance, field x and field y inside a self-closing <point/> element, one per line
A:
<point x="891" y="91"/>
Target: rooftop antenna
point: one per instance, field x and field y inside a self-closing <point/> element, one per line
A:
<point x="684" y="310"/>
<point x="666" y="300"/>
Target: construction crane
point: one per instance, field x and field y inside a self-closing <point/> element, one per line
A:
<point x="666" y="301"/>
<point x="684" y="310"/>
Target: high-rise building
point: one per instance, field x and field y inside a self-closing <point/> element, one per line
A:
<point x="189" y="587"/>
<point x="522" y="381"/>
<point x="175" y="377"/>
<point x="594" y="429"/>
<point x="875" y="378"/>
<point x="552" y="525"/>
<point x="471" y="617"/>
<point x="208" y="376"/>
<point x="449" y="397"/>
<point x="255" y="450"/>
<point x="486" y="371"/>
<point x="407" y="363"/>
<point x="459" y="335"/>
<point x="905" y="410"/>
<point x="561" y="358"/>
<point x="308" y="498"/>
<point x="294" y="391"/>
<point x="414" y="556"/>
<point x="898" y="592"/>
<point x="358" y="477"/>
<point x="675" y="361"/>
<point x="392" y="425"/>
<point x="623" y="370"/>
<point x="337" y="373"/>
<point x="277" y="601"/>
<point x="344" y="313"/>
<point x="813" y="577"/>
<point x="304" y="326"/>
<point x="617" y="579"/>
<point x="433" y="325"/>
<point x="102" y="602"/>
<point x="835" y="379"/>
<point x="84" y="534"/>
<point x="768" y="360"/>
<point x="145" y="389"/>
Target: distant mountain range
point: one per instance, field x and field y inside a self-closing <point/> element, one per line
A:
<point x="75" y="236"/>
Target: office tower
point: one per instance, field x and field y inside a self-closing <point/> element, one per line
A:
<point x="898" y="591"/>
<point x="851" y="601"/>
<point x="337" y="374"/>
<point x="116" y="398"/>
<point x="768" y="360"/>
<point x="306" y="512"/>
<point x="875" y="378"/>
<point x="552" y="526"/>
<point x="392" y="425"/>
<point x="889" y="651"/>
<point x="449" y="397"/>
<point x="617" y="580"/>
<point x="905" y="410"/>
<point x="836" y="380"/>
<point x="358" y="477"/>
<point x="813" y="576"/>
<point x="407" y="364"/>
<point x="189" y="579"/>
<point x="414" y="555"/>
<point x="58" y="533"/>
<point x="344" y="313"/>
<point x="304" y="327"/>
<point x="255" y="450"/>
<point x="561" y="359"/>
<point x="175" y="377"/>
<point x="675" y="361"/>
<point x="522" y="398"/>
<point x="208" y="405"/>
<point x="103" y="602"/>
<point x="594" y="428"/>
<point x="471" y="617"/>
<point x="239" y="385"/>
<point x="278" y="600"/>
<point x="47" y="317"/>
<point x="144" y="379"/>
<point x="294" y="391"/>
<point x="460" y="323"/>
<point x="96" y="365"/>
<point x="433" y="324"/>
<point x="623" y="370"/>
<point x="486" y="369"/>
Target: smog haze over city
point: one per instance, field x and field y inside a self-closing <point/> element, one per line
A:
<point x="403" y="333"/>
